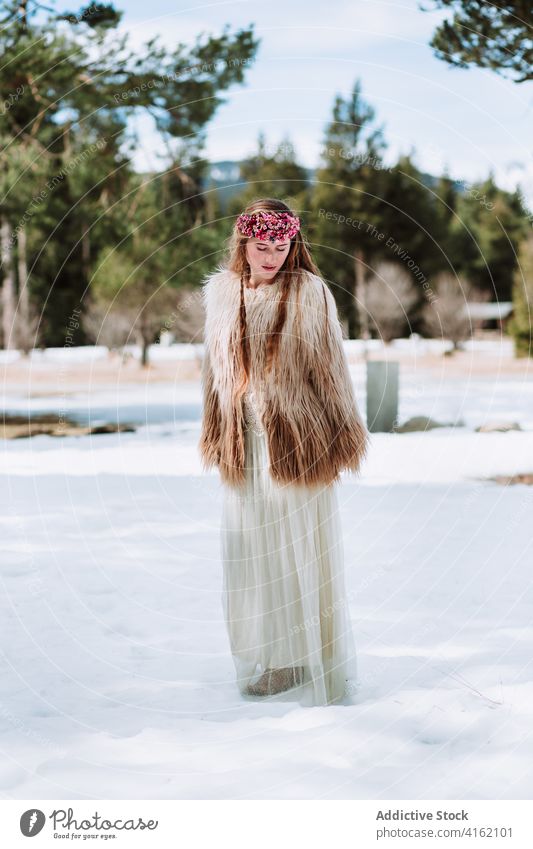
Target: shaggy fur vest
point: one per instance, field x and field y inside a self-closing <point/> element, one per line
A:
<point x="309" y="413"/>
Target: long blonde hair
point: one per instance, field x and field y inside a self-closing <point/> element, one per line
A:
<point x="298" y="259"/>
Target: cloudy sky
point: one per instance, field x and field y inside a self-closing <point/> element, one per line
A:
<point x="469" y="121"/>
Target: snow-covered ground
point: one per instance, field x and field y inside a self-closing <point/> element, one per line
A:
<point x="116" y="678"/>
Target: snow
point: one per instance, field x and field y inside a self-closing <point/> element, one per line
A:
<point x="116" y="676"/>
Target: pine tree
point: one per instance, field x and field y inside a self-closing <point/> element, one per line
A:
<point x="494" y="35"/>
<point x="345" y="203"/>
<point x="486" y="232"/>
<point x="70" y="83"/>
<point x="277" y="174"/>
<point x="521" y="324"/>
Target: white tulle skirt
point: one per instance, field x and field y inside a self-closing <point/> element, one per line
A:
<point x="283" y="593"/>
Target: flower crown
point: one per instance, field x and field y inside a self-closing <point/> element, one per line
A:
<point x="266" y="224"/>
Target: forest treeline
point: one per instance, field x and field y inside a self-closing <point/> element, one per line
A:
<point x="92" y="251"/>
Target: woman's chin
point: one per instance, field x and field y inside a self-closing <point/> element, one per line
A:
<point x="261" y="274"/>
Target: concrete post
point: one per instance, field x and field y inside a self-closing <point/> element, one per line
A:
<point x="382" y="380"/>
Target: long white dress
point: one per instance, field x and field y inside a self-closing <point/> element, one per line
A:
<point x="284" y="597"/>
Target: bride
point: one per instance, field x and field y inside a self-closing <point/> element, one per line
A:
<point x="280" y="422"/>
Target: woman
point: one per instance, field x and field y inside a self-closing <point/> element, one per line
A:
<point x="280" y="422"/>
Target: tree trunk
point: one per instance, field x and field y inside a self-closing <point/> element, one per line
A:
<point x="8" y="285"/>
<point x="143" y="340"/>
<point x="24" y="321"/>
<point x="144" y="355"/>
<point x="86" y="255"/>
<point x="353" y="315"/>
<point x="23" y="13"/>
<point x="360" y="291"/>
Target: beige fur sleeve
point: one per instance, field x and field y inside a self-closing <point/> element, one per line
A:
<point x="209" y="444"/>
<point x="329" y="376"/>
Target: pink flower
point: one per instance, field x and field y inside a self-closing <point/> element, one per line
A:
<point x="268" y="225"/>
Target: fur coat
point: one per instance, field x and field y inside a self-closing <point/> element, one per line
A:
<point x="309" y="413"/>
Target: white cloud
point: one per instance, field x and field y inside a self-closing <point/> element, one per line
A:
<point x="313" y="28"/>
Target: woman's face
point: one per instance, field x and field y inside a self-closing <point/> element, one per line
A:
<point x="266" y="258"/>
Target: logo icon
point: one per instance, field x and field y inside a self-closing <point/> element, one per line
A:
<point x="32" y="822"/>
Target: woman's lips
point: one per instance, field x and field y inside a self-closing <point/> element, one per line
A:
<point x="268" y="267"/>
